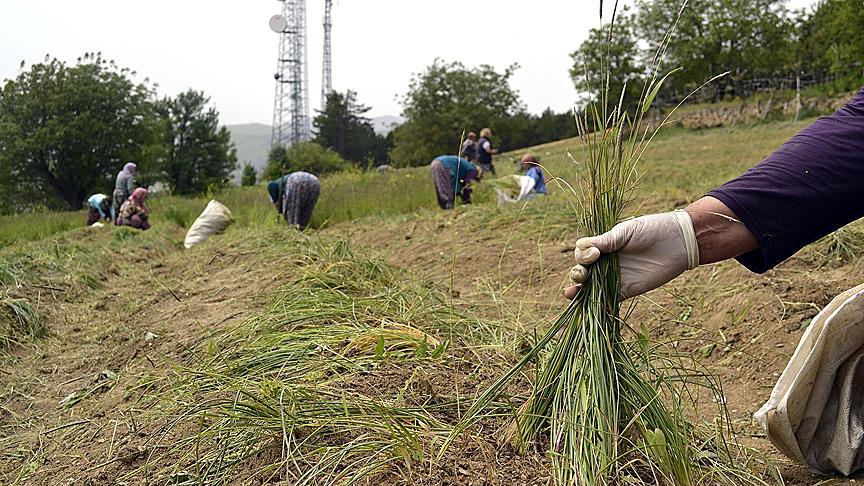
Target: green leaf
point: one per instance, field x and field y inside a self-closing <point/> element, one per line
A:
<point x="440" y="349"/>
<point x="707" y="350"/>
<point x="655" y="89"/>
<point x="422" y="348"/>
<point x="643" y="339"/>
<point x="379" y="348"/>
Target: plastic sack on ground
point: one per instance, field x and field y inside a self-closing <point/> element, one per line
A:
<point x="513" y="188"/>
<point x="213" y="220"/>
<point x="816" y="409"/>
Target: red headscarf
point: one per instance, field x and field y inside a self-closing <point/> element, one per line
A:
<point x="138" y="196"/>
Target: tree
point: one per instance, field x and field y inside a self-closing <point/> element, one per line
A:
<point x="248" y="178"/>
<point x="65" y="131"/>
<point x="383" y="146"/>
<point x="614" y="52"/>
<point x="199" y="152"/>
<point x="832" y="38"/>
<point x="447" y="99"/>
<point x="342" y="127"/>
<point x="748" y="38"/>
<point x="551" y="126"/>
<point x="307" y="156"/>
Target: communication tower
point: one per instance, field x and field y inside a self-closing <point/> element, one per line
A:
<point x="327" y="77"/>
<point x="291" y="122"/>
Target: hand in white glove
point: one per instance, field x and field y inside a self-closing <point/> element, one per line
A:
<point x="652" y="250"/>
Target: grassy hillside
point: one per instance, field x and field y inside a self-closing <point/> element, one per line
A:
<point x="349" y="352"/>
<point x="680" y="166"/>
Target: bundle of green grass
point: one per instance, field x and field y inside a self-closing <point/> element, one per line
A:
<point x="608" y="402"/>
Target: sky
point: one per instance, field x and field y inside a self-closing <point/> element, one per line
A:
<point x="226" y="49"/>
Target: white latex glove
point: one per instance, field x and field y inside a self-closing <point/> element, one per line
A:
<point x="652" y="250"/>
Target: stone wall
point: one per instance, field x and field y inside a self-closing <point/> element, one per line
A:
<point x="753" y="111"/>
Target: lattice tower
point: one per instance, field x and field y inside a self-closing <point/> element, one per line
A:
<point x="291" y="122"/>
<point x="327" y="77"/>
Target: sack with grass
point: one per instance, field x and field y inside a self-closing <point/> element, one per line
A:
<point x="513" y="188"/>
<point x="815" y="412"/>
<point x="215" y="218"/>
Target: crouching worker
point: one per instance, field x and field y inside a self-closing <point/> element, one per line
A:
<point x="99" y="207"/>
<point x="533" y="170"/>
<point x="294" y="196"/>
<point x="453" y="175"/>
<point x="133" y="212"/>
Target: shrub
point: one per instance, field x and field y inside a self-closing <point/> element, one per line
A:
<point x="249" y="176"/>
<point x="307" y="156"/>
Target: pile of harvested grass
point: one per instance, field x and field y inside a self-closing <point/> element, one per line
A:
<point x="318" y="389"/>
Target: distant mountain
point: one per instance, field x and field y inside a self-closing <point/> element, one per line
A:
<point x="384" y="124"/>
<point x="253" y="142"/>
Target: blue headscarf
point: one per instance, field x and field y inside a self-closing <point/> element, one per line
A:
<point x="273" y="189"/>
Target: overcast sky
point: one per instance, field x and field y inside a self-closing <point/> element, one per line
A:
<point x="225" y="48"/>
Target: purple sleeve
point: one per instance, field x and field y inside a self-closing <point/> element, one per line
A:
<point x="810" y="186"/>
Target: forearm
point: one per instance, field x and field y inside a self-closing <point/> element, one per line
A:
<point x="720" y="235"/>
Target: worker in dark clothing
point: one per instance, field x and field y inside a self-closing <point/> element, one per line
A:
<point x="485" y="151"/>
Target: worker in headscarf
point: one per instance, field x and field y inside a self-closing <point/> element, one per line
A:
<point x="469" y="147"/>
<point x="133" y="212"/>
<point x="99" y="207"/>
<point x="124" y="185"/>
<point x="453" y="175"/>
<point x="294" y="196"/>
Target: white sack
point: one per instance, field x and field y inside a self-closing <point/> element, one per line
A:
<point x="526" y="185"/>
<point x="816" y="409"/>
<point x="213" y="220"/>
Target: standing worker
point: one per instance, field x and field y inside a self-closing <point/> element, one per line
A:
<point x="453" y="175"/>
<point x="124" y="186"/>
<point x="808" y="188"/>
<point x="133" y="212"/>
<point x="485" y="151"/>
<point x="469" y="147"/>
<point x="99" y="207"/>
<point x="295" y="196"/>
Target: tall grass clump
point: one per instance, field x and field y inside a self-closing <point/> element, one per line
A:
<point x="19" y="322"/>
<point x="609" y="403"/>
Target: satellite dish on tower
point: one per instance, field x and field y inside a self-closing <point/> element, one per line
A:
<point x="278" y="23"/>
